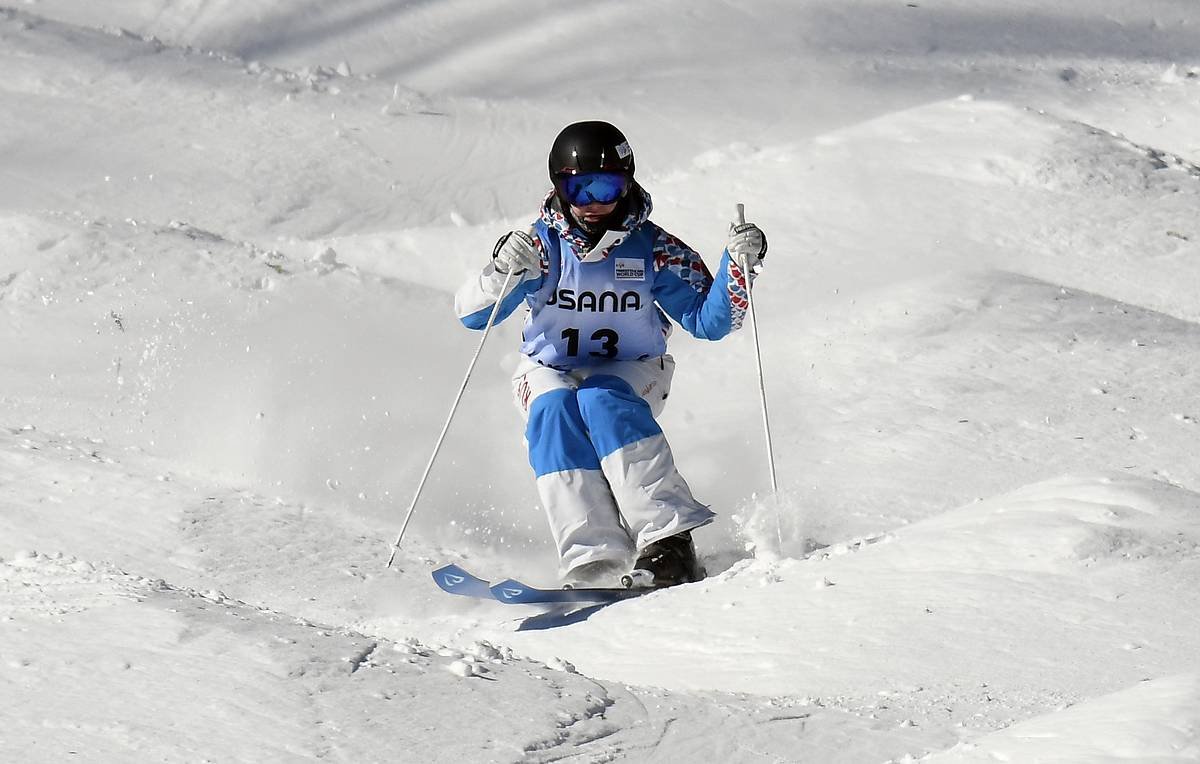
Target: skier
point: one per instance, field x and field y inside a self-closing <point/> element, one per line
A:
<point x="598" y="276"/>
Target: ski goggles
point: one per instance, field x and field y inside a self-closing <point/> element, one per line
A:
<point x="593" y="187"/>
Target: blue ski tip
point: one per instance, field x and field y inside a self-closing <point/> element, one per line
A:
<point x="515" y="592"/>
<point x="455" y="580"/>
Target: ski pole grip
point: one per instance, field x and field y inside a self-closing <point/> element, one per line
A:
<point x="741" y="213"/>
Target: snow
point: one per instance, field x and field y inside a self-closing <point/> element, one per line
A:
<point x="229" y="237"/>
<point x="1152" y="721"/>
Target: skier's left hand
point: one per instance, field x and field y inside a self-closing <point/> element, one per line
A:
<point x="747" y="244"/>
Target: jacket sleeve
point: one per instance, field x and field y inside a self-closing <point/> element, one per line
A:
<point x="707" y="307"/>
<point x="473" y="302"/>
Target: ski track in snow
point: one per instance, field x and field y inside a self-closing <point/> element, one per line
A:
<point x="103" y="630"/>
<point x="226" y="349"/>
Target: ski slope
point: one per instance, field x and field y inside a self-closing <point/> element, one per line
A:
<point x="229" y="237"/>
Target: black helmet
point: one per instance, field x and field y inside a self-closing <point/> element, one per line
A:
<point x="590" y="147"/>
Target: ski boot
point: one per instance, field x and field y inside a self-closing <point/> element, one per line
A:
<point x="590" y="575"/>
<point x="666" y="562"/>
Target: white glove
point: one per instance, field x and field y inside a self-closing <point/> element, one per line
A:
<point x="516" y="253"/>
<point x="747" y="244"/>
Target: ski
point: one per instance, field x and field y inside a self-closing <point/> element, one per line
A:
<point x="455" y="580"/>
<point x="513" y="592"/>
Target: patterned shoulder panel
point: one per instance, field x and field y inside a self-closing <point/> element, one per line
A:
<point x="670" y="253"/>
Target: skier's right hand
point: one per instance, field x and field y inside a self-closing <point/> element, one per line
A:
<point x="515" y="253"/>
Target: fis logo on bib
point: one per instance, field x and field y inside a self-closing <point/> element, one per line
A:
<point x="630" y="269"/>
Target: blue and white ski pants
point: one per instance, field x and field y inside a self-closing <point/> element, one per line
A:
<point x="604" y="471"/>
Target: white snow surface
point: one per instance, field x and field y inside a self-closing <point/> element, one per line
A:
<point x="229" y="236"/>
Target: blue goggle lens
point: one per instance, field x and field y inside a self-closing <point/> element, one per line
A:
<point x="594" y="187"/>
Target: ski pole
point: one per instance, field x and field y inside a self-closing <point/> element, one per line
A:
<point x="453" y="408"/>
<point x="762" y="388"/>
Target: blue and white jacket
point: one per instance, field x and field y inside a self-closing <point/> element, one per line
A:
<point x="595" y="303"/>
